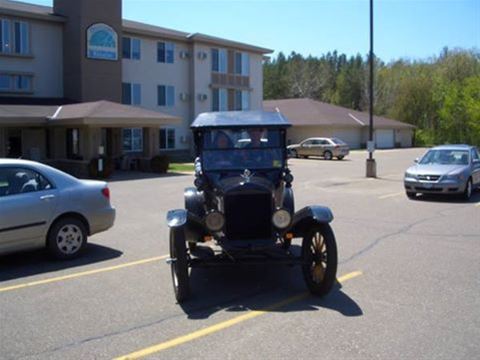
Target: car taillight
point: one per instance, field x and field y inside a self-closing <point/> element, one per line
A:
<point x="106" y="192"/>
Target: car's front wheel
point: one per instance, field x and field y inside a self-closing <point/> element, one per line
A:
<point x="319" y="253"/>
<point x="179" y="264"/>
<point x="293" y="153"/>
<point x="411" y="194"/>
<point x="467" y="194"/>
<point x="67" y="238"/>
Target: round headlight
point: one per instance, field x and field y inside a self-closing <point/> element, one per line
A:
<point x="215" y="221"/>
<point x="281" y="218"/>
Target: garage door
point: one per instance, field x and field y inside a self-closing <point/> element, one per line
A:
<point x="351" y="136"/>
<point x="385" y="139"/>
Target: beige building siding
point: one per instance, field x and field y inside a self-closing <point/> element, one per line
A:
<point x="404" y="138"/>
<point x="46" y="62"/>
<point x="149" y="74"/>
<point x="256" y="81"/>
<point x="201" y="79"/>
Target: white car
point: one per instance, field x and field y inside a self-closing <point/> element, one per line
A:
<point x="41" y="206"/>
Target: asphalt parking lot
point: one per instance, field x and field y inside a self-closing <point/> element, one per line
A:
<point x="408" y="281"/>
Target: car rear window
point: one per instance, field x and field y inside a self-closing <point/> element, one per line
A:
<point x="339" y="141"/>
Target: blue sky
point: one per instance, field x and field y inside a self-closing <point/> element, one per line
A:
<point x="403" y="28"/>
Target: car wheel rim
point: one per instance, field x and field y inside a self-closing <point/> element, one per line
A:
<point x="69" y="239"/>
<point x="318" y="252"/>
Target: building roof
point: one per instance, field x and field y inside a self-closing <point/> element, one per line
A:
<point x="98" y="113"/>
<point x="308" y="112"/>
<point x="17" y="8"/>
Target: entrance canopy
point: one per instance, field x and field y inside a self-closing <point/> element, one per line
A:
<point x="98" y="113"/>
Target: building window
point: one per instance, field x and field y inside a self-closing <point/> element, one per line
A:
<point x="242" y="64"/>
<point x="166" y="95"/>
<point x="219" y="100"/>
<point x="219" y="60"/>
<point x="131" y="94"/>
<point x="167" y="138"/>
<point x="132" y="139"/>
<point x="165" y="52"/>
<point x="5" y="42"/>
<point x="131" y="48"/>
<point x="73" y="144"/>
<point x="21" y="37"/>
<point x="242" y="100"/>
<point x="15" y="83"/>
<point x="14" y="37"/>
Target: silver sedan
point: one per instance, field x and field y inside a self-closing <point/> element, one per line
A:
<point x="43" y="207"/>
<point x="447" y="169"/>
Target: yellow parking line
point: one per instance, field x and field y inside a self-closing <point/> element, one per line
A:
<point x="223" y="325"/>
<point x="80" y="274"/>
<point x="390" y="195"/>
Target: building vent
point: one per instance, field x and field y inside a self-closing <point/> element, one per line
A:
<point x="202" y="55"/>
<point x="202" y="97"/>
<point x="184" y="96"/>
<point x="184" y="54"/>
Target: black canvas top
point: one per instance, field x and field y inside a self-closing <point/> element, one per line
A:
<point x="226" y="119"/>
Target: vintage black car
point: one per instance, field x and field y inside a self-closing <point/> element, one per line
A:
<point x="242" y="203"/>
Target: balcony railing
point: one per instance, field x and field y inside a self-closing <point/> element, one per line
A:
<point x="230" y="80"/>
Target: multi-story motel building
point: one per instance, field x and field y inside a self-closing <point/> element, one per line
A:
<point x="77" y="80"/>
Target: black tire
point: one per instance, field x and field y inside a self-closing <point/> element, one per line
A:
<point x="179" y="265"/>
<point x="319" y="253"/>
<point x="340" y="157"/>
<point x="67" y="238"/>
<point x="411" y="195"/>
<point x="293" y="153"/>
<point x="467" y="194"/>
<point x="328" y="155"/>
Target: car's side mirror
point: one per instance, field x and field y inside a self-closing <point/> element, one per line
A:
<point x="415" y="161"/>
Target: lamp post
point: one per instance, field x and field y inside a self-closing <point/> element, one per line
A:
<point x="371" y="164"/>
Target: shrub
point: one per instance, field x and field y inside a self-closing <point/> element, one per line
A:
<point x="159" y="163"/>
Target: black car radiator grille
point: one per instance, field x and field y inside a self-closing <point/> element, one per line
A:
<point x="248" y="216"/>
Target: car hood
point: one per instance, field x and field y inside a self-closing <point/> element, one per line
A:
<point x="293" y="146"/>
<point x="419" y="169"/>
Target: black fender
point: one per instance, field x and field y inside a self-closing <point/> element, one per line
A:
<point x="194" y="201"/>
<point x="309" y="215"/>
<point x="192" y="224"/>
<point x="288" y="200"/>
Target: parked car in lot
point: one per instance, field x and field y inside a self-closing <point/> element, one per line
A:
<point x="42" y="206"/>
<point x="446" y="169"/>
<point x="328" y="148"/>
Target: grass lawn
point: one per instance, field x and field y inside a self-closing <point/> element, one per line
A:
<point x="176" y="167"/>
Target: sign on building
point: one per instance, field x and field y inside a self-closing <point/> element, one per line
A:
<point x="102" y="42"/>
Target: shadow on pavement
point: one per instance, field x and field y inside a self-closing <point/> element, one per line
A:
<point x="16" y="266"/>
<point x="244" y="288"/>
<point x="456" y="199"/>
<point x="137" y="175"/>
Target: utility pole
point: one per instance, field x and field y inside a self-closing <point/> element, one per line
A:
<point x="371" y="164"/>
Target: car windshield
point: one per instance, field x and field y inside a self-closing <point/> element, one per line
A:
<point x="338" y="141"/>
<point x="238" y="149"/>
<point x="445" y="157"/>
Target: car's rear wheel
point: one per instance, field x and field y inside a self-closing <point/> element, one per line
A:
<point x="67" y="238"/>
<point x="319" y="253"/>
<point x="467" y="194"/>
<point x="340" y="157"/>
<point x="179" y="264"/>
<point x="328" y="155"/>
